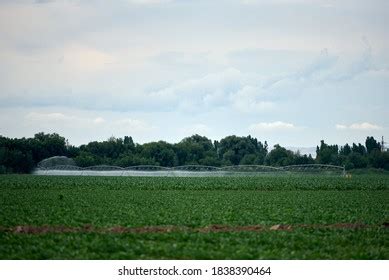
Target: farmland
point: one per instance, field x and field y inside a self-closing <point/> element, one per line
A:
<point x="269" y="217"/>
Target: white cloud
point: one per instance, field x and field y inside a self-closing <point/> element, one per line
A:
<point x="195" y="94"/>
<point x="271" y="126"/>
<point x="251" y="99"/>
<point x="99" y="120"/>
<point x="341" y="127"/>
<point x="326" y="3"/>
<point x="102" y="68"/>
<point x="42" y="117"/>
<point x="229" y="88"/>
<point x="119" y="125"/>
<point x="358" y="126"/>
<point x="147" y="2"/>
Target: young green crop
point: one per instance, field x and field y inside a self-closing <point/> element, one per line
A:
<point x="105" y="202"/>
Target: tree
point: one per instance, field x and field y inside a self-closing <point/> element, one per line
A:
<point x="161" y="152"/>
<point x="357" y="160"/>
<point x="22" y="155"/>
<point x="372" y="145"/>
<point x="16" y="161"/>
<point x="345" y="150"/>
<point x="47" y="145"/>
<point x="193" y="150"/>
<point x="360" y="149"/>
<point x="232" y="149"/>
<point x="303" y="159"/>
<point x="378" y="159"/>
<point x="248" y="159"/>
<point x="280" y="156"/>
<point x="85" y="159"/>
<point x="327" y="154"/>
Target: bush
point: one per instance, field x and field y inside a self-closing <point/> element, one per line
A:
<point x="3" y="170"/>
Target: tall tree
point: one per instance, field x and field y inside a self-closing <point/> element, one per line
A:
<point x="327" y="154"/>
<point x="372" y="145"/>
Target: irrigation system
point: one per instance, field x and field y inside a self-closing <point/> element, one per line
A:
<point x="189" y="170"/>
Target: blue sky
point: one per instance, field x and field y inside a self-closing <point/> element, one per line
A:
<point x="288" y="71"/>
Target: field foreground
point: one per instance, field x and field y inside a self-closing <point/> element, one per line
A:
<point x="307" y="217"/>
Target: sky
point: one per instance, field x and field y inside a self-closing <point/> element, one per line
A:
<point x="291" y="72"/>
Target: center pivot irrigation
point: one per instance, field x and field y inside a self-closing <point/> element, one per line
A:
<point x="189" y="170"/>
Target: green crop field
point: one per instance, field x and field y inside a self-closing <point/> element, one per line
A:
<point x="264" y="217"/>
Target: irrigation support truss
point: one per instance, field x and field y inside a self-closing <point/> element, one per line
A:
<point x="191" y="170"/>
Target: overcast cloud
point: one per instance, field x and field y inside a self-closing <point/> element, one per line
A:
<point x="287" y="71"/>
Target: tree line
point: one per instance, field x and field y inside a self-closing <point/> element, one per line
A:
<point x="22" y="155"/>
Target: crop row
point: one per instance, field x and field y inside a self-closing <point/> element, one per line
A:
<point x="265" y="183"/>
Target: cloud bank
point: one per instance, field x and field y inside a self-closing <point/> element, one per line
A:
<point x="159" y="69"/>
<point x="359" y="126"/>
